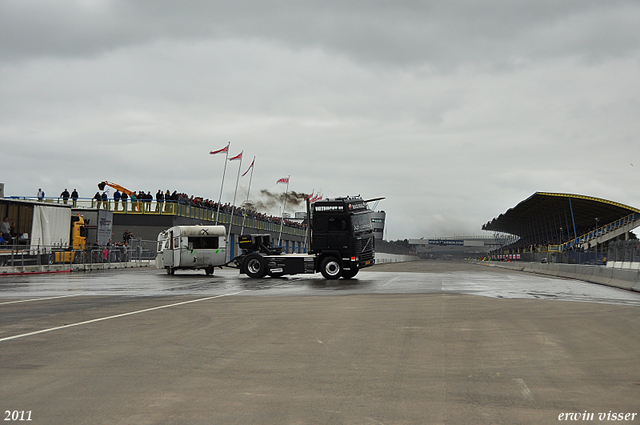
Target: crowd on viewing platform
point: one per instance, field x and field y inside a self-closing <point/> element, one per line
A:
<point x="140" y="202"/>
<point x="581" y="243"/>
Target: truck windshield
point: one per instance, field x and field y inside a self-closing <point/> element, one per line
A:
<point x="361" y="222"/>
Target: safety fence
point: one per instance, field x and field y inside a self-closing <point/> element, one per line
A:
<point x="173" y="208"/>
<point x="568" y="257"/>
<point x="19" y="256"/>
<point x="624" y="254"/>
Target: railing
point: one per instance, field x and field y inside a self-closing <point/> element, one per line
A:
<point x="173" y="208"/>
<point x="587" y="237"/>
<point x="624" y="251"/>
<point x="567" y="257"/>
<point x="20" y="256"/>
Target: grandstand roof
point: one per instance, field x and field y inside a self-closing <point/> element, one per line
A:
<point x="542" y="212"/>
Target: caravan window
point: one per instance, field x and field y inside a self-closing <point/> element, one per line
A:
<point x="206" y="242"/>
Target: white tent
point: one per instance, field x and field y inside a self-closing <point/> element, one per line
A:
<point x="51" y="226"/>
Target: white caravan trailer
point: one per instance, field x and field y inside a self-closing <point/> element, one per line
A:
<point x="191" y="247"/>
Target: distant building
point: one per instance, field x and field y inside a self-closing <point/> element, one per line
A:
<point x="458" y="246"/>
<point x="377" y="221"/>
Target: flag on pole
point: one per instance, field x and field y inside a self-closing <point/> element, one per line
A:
<point x="250" y="167"/>
<point x="239" y="156"/>
<point x="223" y="150"/>
<point x="284" y="207"/>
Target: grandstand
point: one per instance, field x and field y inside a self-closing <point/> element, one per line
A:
<point x="571" y="228"/>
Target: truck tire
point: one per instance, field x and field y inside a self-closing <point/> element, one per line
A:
<point x="209" y="270"/>
<point x="331" y="268"/>
<point x="348" y="274"/>
<point x="171" y="270"/>
<point x="255" y="265"/>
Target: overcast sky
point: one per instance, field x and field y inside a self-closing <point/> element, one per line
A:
<point x="453" y="110"/>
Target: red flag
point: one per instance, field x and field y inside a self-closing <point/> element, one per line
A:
<point x="239" y="156"/>
<point x="249" y="167"/>
<point x="283" y="180"/>
<point x="223" y="150"/>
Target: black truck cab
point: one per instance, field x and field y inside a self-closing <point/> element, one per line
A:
<point x="341" y="243"/>
<point x="341" y="228"/>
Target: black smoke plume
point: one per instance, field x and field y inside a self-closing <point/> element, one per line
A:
<point x="270" y="201"/>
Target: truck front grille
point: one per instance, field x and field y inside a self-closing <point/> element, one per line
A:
<point x="365" y="246"/>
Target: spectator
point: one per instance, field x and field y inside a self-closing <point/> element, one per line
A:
<point x="40" y="194"/>
<point x="134" y="203"/>
<point x="116" y="199"/>
<point x="5" y="229"/>
<point x="74" y="197"/>
<point x="148" y="200"/>
<point x="159" y="200"/>
<point x="105" y="200"/>
<point x="124" y="197"/>
<point x="65" y="195"/>
<point x="167" y="199"/>
<point x="14" y="230"/>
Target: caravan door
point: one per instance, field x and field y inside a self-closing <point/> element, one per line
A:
<point x="167" y="252"/>
<point x="175" y="247"/>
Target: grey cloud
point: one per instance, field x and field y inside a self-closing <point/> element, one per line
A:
<point x="442" y="34"/>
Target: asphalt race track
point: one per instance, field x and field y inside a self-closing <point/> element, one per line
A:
<point x="413" y="343"/>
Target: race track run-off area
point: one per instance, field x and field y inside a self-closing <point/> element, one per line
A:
<point x="413" y="343"/>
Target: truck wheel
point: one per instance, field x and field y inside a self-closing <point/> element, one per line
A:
<point x="209" y="270"/>
<point x="348" y="274"/>
<point x="255" y="266"/>
<point x="331" y="268"/>
<point x="170" y="270"/>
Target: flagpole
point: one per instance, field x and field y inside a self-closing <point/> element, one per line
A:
<point x="244" y="217"/>
<point x="283" y="208"/>
<point x="222" y="184"/>
<point x="233" y="204"/>
<point x="307" y="204"/>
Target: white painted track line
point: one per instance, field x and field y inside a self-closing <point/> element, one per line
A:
<point x="38" y="299"/>
<point x="71" y="325"/>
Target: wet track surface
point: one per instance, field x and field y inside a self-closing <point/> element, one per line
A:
<point x="471" y="280"/>
<point x="414" y="343"/>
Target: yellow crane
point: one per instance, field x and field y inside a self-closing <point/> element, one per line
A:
<point x="102" y="184"/>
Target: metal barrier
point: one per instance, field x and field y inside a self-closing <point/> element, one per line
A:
<point x="624" y="251"/>
<point x="153" y="207"/>
<point x="20" y="256"/>
<point x="567" y="257"/>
